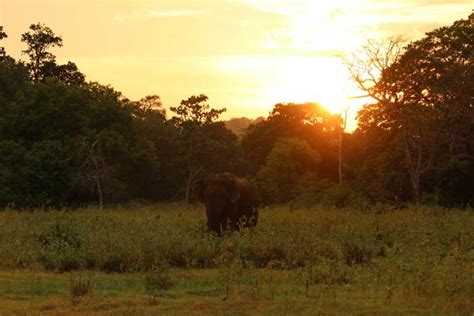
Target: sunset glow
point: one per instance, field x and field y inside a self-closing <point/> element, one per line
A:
<point x="246" y="55"/>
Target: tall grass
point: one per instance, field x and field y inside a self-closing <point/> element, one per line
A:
<point x="418" y="251"/>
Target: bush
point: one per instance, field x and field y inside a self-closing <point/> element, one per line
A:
<point x="61" y="248"/>
<point x="157" y="281"/>
<point x="289" y="159"/>
<point x="312" y="191"/>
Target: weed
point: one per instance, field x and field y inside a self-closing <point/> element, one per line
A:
<point x="80" y="285"/>
<point x="157" y="281"/>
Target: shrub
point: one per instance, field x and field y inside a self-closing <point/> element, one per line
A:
<point x="157" y="281"/>
<point x="61" y="248"/>
<point x="289" y="159"/>
<point x="310" y="190"/>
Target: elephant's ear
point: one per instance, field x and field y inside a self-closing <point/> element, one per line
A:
<point x="198" y="190"/>
<point x="234" y="191"/>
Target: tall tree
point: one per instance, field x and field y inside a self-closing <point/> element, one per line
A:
<point x="39" y="40"/>
<point x="42" y="64"/>
<point x="342" y="130"/>
<point x="151" y="104"/>
<point x="308" y="121"/>
<point x="196" y="111"/>
<point x="288" y="161"/>
<point x="94" y="170"/>
<point x="367" y="65"/>
<point x="152" y="126"/>
<point x="202" y="146"/>
<point x="424" y="103"/>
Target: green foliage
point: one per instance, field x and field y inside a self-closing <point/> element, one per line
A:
<point x="309" y="122"/>
<point x="13" y="78"/>
<point x="287" y="162"/>
<point x="205" y="144"/>
<point x="58" y="140"/>
<point x="423" y="116"/>
<point x="61" y="248"/>
<point x="39" y="176"/>
<point x="157" y="280"/>
<point x="59" y="143"/>
<point x="310" y="190"/>
<point x="231" y="269"/>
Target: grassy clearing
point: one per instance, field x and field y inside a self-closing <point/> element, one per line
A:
<point x="161" y="259"/>
<point x="196" y="291"/>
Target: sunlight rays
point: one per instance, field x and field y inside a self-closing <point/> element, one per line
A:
<point x="293" y="79"/>
<point x="246" y="55"/>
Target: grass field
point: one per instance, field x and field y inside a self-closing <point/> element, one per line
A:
<point x="160" y="259"/>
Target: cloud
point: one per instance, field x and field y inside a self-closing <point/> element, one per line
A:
<point x="410" y="18"/>
<point x="176" y="13"/>
<point x="152" y="14"/>
<point x="439" y="2"/>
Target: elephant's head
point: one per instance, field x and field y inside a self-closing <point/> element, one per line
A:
<point x="220" y="194"/>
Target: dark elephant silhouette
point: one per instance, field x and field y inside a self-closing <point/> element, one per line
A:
<point x="231" y="202"/>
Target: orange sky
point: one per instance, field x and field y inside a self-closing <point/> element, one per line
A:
<point x="246" y="55"/>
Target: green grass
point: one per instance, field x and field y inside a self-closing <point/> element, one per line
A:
<point x="317" y="261"/>
<point x="197" y="291"/>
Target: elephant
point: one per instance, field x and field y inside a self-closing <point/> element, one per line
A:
<point x="231" y="202"/>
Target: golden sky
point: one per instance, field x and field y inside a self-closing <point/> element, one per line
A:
<point x="246" y="55"/>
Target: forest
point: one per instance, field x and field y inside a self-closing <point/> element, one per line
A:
<point x="68" y="142"/>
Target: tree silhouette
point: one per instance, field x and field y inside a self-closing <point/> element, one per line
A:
<point x="194" y="118"/>
<point x="68" y="73"/>
<point x="39" y="40"/>
<point x="2" y="36"/>
<point x="196" y="111"/>
<point x="423" y="97"/>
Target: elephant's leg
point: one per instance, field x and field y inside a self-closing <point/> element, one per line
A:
<point x="215" y="222"/>
<point x="249" y="216"/>
<point x="234" y="217"/>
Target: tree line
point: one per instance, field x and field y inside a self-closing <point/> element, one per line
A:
<point x="65" y="141"/>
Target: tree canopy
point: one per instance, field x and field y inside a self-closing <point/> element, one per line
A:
<point x="66" y="141"/>
<point x="426" y="114"/>
<point x="42" y="64"/>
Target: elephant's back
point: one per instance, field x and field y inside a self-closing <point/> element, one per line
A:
<point x="248" y="194"/>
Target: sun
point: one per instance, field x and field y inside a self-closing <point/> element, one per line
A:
<point x="310" y="79"/>
<point x="303" y="61"/>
